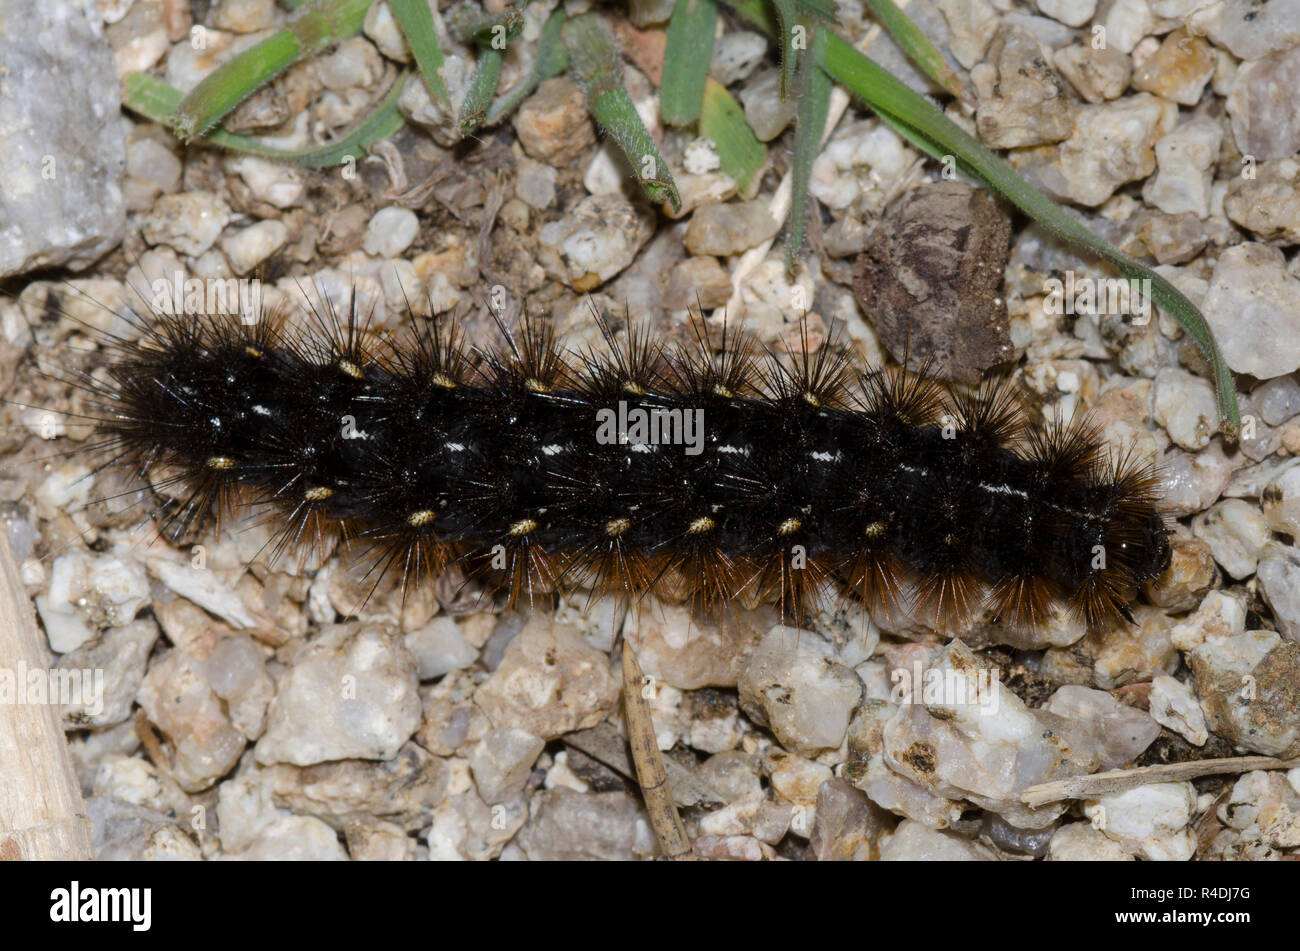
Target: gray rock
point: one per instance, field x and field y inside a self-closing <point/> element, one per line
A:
<point x="1249" y="688"/>
<point x="564" y="825"/>
<point x="1121" y="732"/>
<point x="348" y="695"/>
<point x="121" y="653"/>
<point x="501" y="763"/>
<point x="1252" y="298"/>
<point x="1252" y="29"/>
<point x="794" y="683"/>
<point x="913" y="842"/>
<point x="126" y="832"/>
<point x="60" y="135"/>
<point x="1265" y="122"/>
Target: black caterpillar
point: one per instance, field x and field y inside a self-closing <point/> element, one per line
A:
<point x="697" y="474"/>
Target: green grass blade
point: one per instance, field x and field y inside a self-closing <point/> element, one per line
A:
<point x="317" y="25"/>
<point x="482" y="87"/>
<point x="792" y="37"/>
<point x="416" y="23"/>
<point x="918" y="47"/>
<point x="921" y="122"/>
<point x="722" y="120"/>
<point x="686" y="60"/>
<point x="551" y="60"/>
<point x="155" y="100"/>
<point x="811" y="109"/>
<point x="758" y="13"/>
<point x="594" y="58"/>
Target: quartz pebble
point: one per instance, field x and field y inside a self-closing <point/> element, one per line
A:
<point x="595" y="241"/>
<point x="1150" y="821"/>
<point x="349" y="693"/>
<point x="1174" y="705"/>
<point x="1279" y="581"/>
<point x="180" y="702"/>
<point x="794" y="684"/>
<point x="550" y="682"/>
<point x="1267" y="203"/>
<point x="564" y="825"/>
<point x="390" y="231"/>
<point x="189" y="221"/>
<point x="439" y="648"/>
<point x="1185" y="159"/>
<point x="1121" y="732"/>
<point x="767" y="112"/>
<point x="913" y="842"/>
<point x="1082" y="842"/>
<point x="1264" y="120"/>
<point x="1179" y="69"/>
<point x="729" y="228"/>
<point x="1220" y="615"/>
<point x="1184" y="405"/>
<point x="120" y="656"/>
<point x="1236" y="532"/>
<point x="688" y="652"/>
<point x="1249" y="688"/>
<point x="123" y="831"/>
<point x="1251" y="298"/>
<point x="501" y="763"/>
<point x="1096" y="74"/>
<point x="1022" y="100"/>
<point x="249" y="247"/>
<point x="553" y="125"/>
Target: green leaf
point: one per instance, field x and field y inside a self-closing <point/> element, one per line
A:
<point x="551" y="59"/>
<point x="811" y="109"/>
<point x="416" y="23"/>
<point x="596" y="67"/>
<point x="743" y="157"/>
<point x="790" y="29"/>
<point x="686" y="60"/>
<point x="482" y="87"/>
<point x="315" y="26"/>
<point x="156" y="100"/>
<point x="937" y="135"/>
<point x="918" y="47"/>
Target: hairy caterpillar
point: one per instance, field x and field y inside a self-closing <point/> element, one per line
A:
<point x="710" y="472"/>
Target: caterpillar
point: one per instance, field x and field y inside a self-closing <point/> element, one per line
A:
<point x="710" y="471"/>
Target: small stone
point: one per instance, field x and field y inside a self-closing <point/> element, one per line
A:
<point x="1184" y="405"/>
<point x="553" y="125"/>
<point x="61" y="136"/>
<point x="1277" y="400"/>
<point x="1179" y="69"/>
<point x="1080" y="842"/>
<point x="1022" y="100"/>
<point x="190" y="222"/>
<point x="236" y="669"/>
<point x="848" y="825"/>
<point x="766" y="111"/>
<point x="795" y="779"/>
<point x="1174" y="705"/>
<point x="1069" y="12"/>
<point x="1251" y="29"/>
<point x="1236" y="532"/>
<point x="1122" y="732"/>
<point x="137" y="781"/>
<point x="550" y="682"/>
<point x="502" y="762"/>
<point x="373" y="840"/>
<point x="1265" y="123"/>
<point x="1191" y="574"/>
<point x="1186" y="159"/>
<point x="1150" y="821"/>
<point x="383" y="31"/>
<point x="122" y="831"/>
<point x="1098" y="75"/>
<point x="120" y="655"/>
<point x="349" y="694"/>
<point x="390" y="231"/>
<point x="293" y="839"/>
<point x="564" y="826"/>
<point x="972" y="24"/>
<point x="1111" y="145"/>
<point x="535" y="183"/>
<point x="913" y="842"/>
<point x="1279" y="582"/>
<point x="1251" y="298"/>
<point x="1269" y="203"/>
<point x="439" y="648"/>
<point x="243" y="16"/>
<point x="861" y="166"/>
<point x="276" y="183"/>
<point x="729" y="228"/>
<point x="1249" y="688"/>
<point x="595" y="241"/>
<point x="736" y="54"/>
<point x="1219" y="615"/>
<point x="698" y="281"/>
<point x="1132" y="654"/>
<point x="1125" y="23"/>
<point x="151" y="169"/>
<point x="180" y="702"/>
<point x="1174" y="239"/>
<point x="405" y="790"/>
<point x="794" y="684"/>
<point x="249" y="247"/>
